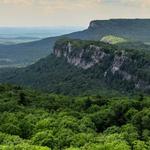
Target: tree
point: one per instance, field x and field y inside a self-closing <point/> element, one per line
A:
<point x="44" y="138"/>
<point x="22" y="99"/>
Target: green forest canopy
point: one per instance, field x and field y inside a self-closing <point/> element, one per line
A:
<point x="31" y="120"/>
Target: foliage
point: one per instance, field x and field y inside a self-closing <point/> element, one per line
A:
<point x="42" y="121"/>
<point x="113" y="39"/>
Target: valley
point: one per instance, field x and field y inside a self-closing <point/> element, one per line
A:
<point x="87" y="90"/>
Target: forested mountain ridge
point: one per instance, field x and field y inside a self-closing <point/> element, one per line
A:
<point x="134" y="29"/>
<point x="27" y="53"/>
<point x="79" y="66"/>
<point x="115" y="63"/>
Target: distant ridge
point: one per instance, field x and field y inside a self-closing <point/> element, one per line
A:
<point x="124" y="22"/>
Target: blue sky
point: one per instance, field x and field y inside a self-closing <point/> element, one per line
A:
<point x="68" y="12"/>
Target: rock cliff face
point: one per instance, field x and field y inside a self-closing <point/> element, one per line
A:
<point x="85" y="58"/>
<point x="115" y="63"/>
<point x="88" y="57"/>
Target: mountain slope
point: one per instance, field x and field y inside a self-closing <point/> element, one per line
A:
<point x="80" y="66"/>
<point x="113" y="39"/>
<point x="27" y="53"/>
<point x="134" y="29"/>
<point x="125" y="43"/>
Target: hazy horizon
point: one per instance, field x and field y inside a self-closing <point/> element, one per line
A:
<point x="42" y="13"/>
<point x="65" y="26"/>
<point x="13" y="35"/>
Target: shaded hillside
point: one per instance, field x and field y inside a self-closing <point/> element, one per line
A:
<point x="134" y="29"/>
<point x="25" y="53"/>
<point x="134" y="45"/>
<point x="83" y="66"/>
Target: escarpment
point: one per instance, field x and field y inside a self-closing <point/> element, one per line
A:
<point x="80" y="66"/>
<point x="117" y="64"/>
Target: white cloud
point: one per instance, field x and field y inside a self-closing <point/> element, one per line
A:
<point x="69" y="12"/>
<point x="47" y="2"/>
<point x="141" y="3"/>
<point x="16" y="2"/>
<point x="78" y="3"/>
<point x="52" y="6"/>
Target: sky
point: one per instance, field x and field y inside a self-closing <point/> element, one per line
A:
<point x="68" y="12"/>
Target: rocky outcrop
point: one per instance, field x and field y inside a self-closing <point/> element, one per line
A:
<point x="79" y="59"/>
<point x="113" y="63"/>
<point x="118" y="62"/>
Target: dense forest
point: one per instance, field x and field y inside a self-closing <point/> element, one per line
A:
<point x="39" y="121"/>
